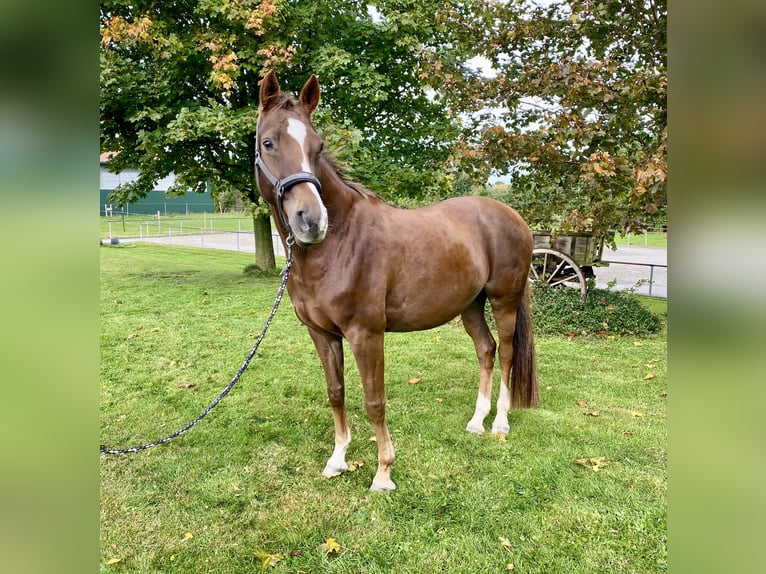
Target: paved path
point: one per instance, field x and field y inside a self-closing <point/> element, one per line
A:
<point x="626" y="276"/>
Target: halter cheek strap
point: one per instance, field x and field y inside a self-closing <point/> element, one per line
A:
<point x="282" y="186"/>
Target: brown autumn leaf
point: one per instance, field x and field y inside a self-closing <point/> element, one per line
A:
<point x="414" y="380"/>
<point x="187" y="385"/>
<point x="592" y="413"/>
<point x="354" y="465"/>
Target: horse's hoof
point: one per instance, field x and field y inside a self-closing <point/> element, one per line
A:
<point x="383" y="487"/>
<point x="474" y="429"/>
<point x="504" y="429"/>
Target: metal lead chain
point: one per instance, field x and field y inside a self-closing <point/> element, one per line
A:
<point x="203" y="414"/>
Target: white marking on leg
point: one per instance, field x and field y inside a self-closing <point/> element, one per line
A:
<point x="503" y="406"/>
<point x="476" y="424"/>
<point x="337" y="463"/>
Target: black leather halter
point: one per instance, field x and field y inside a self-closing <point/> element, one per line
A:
<point x="282" y="186"/>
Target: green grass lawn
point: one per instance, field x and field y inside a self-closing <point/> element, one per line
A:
<point x="643" y="239"/>
<point x="243" y="488"/>
<point x="142" y="225"/>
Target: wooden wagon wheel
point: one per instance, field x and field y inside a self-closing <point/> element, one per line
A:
<point x="556" y="269"/>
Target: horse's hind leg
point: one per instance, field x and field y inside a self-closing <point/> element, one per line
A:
<point x="505" y="318"/>
<point x="476" y="326"/>
<point x="330" y="350"/>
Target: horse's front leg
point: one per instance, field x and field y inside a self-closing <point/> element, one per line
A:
<point x="330" y="350"/>
<point x="368" y="351"/>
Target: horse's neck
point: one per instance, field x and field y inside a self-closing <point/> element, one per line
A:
<point x="341" y="197"/>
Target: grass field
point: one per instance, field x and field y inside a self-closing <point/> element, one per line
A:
<point x="142" y="225"/>
<point x="579" y="486"/>
<point x="643" y="239"/>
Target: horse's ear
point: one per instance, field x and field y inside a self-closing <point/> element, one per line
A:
<point x="310" y="94"/>
<point x="269" y="92"/>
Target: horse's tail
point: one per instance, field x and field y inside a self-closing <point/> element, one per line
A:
<point x="524" y="366"/>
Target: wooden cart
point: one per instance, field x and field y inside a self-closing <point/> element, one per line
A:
<point x="566" y="259"/>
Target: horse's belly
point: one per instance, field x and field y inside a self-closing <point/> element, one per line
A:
<point x="428" y="307"/>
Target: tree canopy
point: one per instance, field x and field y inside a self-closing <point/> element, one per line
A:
<point x="575" y="110"/>
<point x="179" y="87"/>
<point x="572" y="107"/>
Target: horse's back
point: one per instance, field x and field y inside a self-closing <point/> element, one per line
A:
<point x="496" y="225"/>
<point x="440" y="257"/>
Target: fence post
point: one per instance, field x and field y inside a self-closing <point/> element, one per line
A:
<point x="651" y="279"/>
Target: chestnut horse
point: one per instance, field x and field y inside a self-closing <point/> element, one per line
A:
<point x="362" y="267"/>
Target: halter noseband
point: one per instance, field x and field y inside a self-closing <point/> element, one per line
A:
<point x="282" y="186"/>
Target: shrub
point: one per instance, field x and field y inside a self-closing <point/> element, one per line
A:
<point x="562" y="311"/>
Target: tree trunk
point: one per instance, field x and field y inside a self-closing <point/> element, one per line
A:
<point x="264" y="248"/>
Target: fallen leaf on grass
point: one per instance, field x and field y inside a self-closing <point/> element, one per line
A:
<point x="595" y="463"/>
<point x="414" y="380"/>
<point x="187" y="385"/>
<point x="329" y="546"/>
<point x="636" y="414"/>
<point x="354" y="465"/>
<point x="188" y="536"/>
<point x="648" y="376"/>
<point x="592" y="414"/>
<point x="132" y="336"/>
<point x="504" y="542"/>
<point x="509" y="567"/>
<point x="267" y="560"/>
<point x="439" y="400"/>
<point x="638" y="344"/>
<point x="112" y="561"/>
<point x="501" y="436"/>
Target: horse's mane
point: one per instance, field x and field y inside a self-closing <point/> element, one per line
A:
<point x="286" y="101"/>
<point x="342" y="172"/>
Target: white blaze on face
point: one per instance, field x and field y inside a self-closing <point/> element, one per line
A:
<point x="296" y="129"/>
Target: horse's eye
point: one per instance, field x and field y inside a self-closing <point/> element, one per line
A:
<point x="267" y="144"/>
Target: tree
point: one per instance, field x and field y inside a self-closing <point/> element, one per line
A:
<point x="179" y="81"/>
<point x="575" y="112"/>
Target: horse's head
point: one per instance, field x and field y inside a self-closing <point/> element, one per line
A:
<point x="287" y="153"/>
